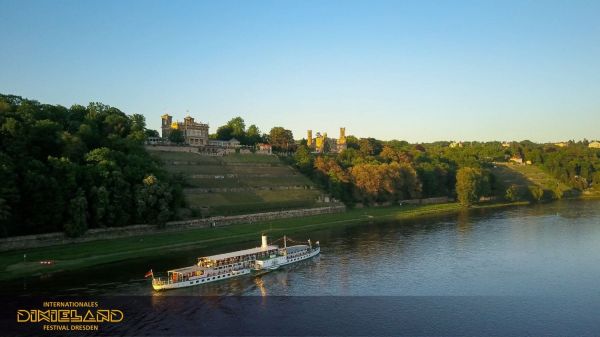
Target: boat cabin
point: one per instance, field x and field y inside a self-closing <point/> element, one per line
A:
<point x="236" y="258"/>
<point x="184" y="274"/>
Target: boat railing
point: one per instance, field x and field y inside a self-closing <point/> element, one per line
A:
<point x="168" y="280"/>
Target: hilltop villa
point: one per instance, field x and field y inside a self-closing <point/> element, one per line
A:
<point x="195" y="134"/>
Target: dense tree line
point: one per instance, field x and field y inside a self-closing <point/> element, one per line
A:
<point x="370" y="170"/>
<point x="279" y="137"/>
<point x="576" y="164"/>
<point x="70" y="169"/>
<point x="236" y="128"/>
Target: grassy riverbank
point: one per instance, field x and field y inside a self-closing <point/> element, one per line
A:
<point x="81" y="255"/>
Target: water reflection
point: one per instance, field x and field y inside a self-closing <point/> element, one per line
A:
<point x="261" y="286"/>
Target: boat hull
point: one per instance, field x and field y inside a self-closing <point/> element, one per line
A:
<point x="285" y="261"/>
<point x="198" y="281"/>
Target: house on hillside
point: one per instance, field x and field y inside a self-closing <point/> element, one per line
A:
<point x="594" y="145"/>
<point x="232" y="143"/>
<point x="561" y="144"/>
<point x="194" y="133"/>
<point x="264" y="148"/>
<point x="516" y="159"/>
<point x="154" y="141"/>
<point x="456" y="144"/>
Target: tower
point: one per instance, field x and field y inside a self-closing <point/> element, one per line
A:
<point x="320" y="142"/>
<point x="309" y="139"/>
<point x="341" y="143"/>
<point x="188" y="120"/>
<point x="342" y="139"/>
<point x="167" y="120"/>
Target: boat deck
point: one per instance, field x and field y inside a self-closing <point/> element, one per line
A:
<point x="238" y="253"/>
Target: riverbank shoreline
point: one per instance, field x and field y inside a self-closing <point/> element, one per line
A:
<point x="26" y="263"/>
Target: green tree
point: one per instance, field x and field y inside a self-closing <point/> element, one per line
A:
<point x="176" y="136"/>
<point x="238" y="128"/>
<point x="537" y="193"/>
<point x="68" y="169"/>
<point x="370" y="146"/>
<point x="253" y="135"/>
<point x="513" y="193"/>
<point x="151" y="133"/>
<point x="224" y="132"/>
<point x="153" y="199"/>
<point x="468" y="185"/>
<point x="352" y="142"/>
<point x="281" y="139"/>
<point x="100" y="206"/>
<point x="76" y="225"/>
<point x="138" y="122"/>
<point x="558" y="193"/>
<point x="303" y="159"/>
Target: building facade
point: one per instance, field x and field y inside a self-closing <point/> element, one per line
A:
<point x="321" y="143"/>
<point x="194" y="134"/>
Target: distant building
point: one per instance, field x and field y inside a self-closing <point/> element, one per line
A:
<point x="154" y="140"/>
<point x="232" y="143"/>
<point x="516" y="159"/>
<point x="594" y="145"/>
<point x="194" y="134"/>
<point x="456" y="144"/>
<point x="321" y="143"/>
<point x="505" y="144"/>
<point x="264" y="148"/>
<point x="561" y="144"/>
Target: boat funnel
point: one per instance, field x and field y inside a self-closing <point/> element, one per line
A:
<point x="264" y="242"/>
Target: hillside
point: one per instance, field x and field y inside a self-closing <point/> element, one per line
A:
<point x="527" y="175"/>
<point x="239" y="184"/>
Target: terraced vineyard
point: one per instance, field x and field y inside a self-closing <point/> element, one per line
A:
<point x="240" y="183"/>
<point x="527" y="175"/>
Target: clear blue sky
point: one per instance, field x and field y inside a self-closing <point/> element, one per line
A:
<point x="419" y="70"/>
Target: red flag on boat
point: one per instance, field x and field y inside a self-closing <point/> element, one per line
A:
<point x="148" y="274"/>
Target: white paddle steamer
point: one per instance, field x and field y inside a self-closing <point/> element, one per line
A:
<point x="223" y="266"/>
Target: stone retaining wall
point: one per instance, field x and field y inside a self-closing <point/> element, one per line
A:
<point x="426" y="201"/>
<point x="50" y="239"/>
<point x="201" y="190"/>
<point x="172" y="148"/>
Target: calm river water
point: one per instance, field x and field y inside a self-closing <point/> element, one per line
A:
<point x="540" y="251"/>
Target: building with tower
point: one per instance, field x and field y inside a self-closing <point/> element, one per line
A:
<point x="194" y="134"/>
<point x="322" y="144"/>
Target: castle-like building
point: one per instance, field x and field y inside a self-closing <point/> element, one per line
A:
<point x="321" y="143"/>
<point x="195" y="134"/>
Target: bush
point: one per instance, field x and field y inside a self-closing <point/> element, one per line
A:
<point x="536" y="192"/>
<point x="514" y="193"/>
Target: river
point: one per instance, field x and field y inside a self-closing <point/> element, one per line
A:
<point x="539" y="251"/>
